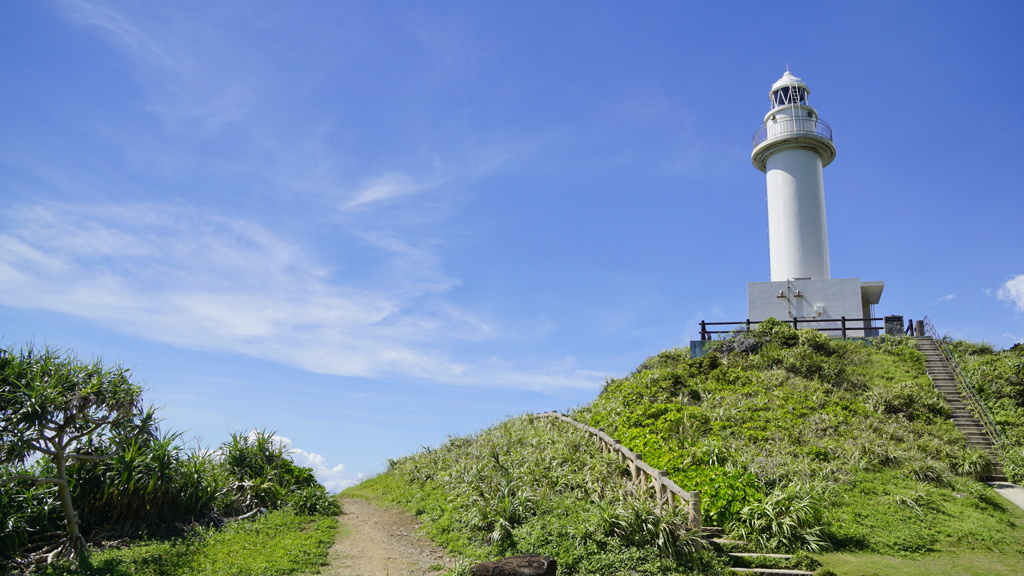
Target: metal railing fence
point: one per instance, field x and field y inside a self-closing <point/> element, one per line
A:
<point x="965" y="387"/>
<point x="845" y="325"/>
<point x="788" y="126"/>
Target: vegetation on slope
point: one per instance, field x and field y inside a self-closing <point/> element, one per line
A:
<point x="82" y="461"/>
<point x="800" y="441"/>
<point x="797" y="442"/>
<point x="539" y="486"/>
<point x="998" y="378"/>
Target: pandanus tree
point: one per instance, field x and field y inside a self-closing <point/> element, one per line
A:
<point x="56" y="406"/>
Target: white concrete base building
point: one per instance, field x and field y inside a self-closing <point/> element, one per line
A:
<point x="816" y="300"/>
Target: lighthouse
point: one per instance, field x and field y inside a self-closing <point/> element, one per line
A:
<point x="792" y="147"/>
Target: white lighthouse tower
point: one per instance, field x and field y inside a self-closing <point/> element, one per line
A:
<point x="792" y="147"/>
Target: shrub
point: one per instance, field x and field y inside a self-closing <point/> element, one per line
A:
<point x="789" y="518"/>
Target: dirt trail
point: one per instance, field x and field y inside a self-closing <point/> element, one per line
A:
<point x="382" y="542"/>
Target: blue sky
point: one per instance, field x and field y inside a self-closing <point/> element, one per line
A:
<point x="369" y="226"/>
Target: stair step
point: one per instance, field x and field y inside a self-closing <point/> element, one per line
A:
<point x="726" y="541"/>
<point x="778" y="571"/>
<point x="713" y="531"/>
<point x="759" y="555"/>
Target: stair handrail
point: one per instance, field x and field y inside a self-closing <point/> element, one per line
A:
<point x="965" y="386"/>
<point x="666" y="491"/>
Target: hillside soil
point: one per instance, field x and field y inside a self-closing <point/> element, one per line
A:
<point x="378" y="541"/>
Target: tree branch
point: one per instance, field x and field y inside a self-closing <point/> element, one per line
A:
<point x="36" y="481"/>
<point x="78" y="437"/>
<point x="91" y="457"/>
<point x="37" y="448"/>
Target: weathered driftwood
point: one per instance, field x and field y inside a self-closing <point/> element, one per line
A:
<point x="641" y="473"/>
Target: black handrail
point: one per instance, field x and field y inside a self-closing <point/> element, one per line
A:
<point x="867" y="324"/>
<point x="796" y="125"/>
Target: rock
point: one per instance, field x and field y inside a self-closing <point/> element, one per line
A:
<point x="521" y="565"/>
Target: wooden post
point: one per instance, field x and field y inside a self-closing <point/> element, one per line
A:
<point x="658" y="489"/>
<point x="696" y="515"/>
<point x="664" y="494"/>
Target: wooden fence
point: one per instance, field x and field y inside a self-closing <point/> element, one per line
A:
<point x="666" y="491"/>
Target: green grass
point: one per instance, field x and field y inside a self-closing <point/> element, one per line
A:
<point x="998" y="378"/>
<point x="276" y="544"/>
<point x="956" y="563"/>
<point x="797" y="442"/>
<point x="538" y="486"/>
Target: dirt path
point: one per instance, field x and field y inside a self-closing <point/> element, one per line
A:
<point x="382" y="542"/>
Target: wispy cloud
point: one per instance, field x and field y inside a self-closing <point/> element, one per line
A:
<point x="190" y="70"/>
<point x="386" y="187"/>
<point x="369" y="298"/>
<point x="219" y="284"/>
<point x="1012" y="291"/>
<point x="944" y="299"/>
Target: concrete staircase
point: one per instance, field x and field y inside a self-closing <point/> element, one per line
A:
<point x="971" y="427"/>
<point x="744" y="560"/>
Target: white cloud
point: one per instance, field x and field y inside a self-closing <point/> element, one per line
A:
<point x="1012" y="291"/>
<point x="334" y="478"/>
<point x="225" y="285"/>
<point x="946" y="298"/>
<point x="386" y="187"/>
<point x="210" y="283"/>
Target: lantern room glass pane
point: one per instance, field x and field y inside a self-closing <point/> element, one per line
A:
<point x="789" y="95"/>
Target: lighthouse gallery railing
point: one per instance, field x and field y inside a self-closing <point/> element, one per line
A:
<point x="787" y="126"/>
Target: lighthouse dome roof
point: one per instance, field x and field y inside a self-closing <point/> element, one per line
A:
<point x="788" y="80"/>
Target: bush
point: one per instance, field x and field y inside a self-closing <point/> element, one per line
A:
<point x="774" y="410"/>
<point x="540" y="486"/>
<point x="789" y="518"/>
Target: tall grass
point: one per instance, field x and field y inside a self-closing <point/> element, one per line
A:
<point x="998" y="377"/>
<point x="774" y="424"/>
<point x="538" y="486"/>
<point x="156" y="488"/>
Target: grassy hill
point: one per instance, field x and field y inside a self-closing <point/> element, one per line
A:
<point x="998" y="378"/>
<point x="798" y="442"/>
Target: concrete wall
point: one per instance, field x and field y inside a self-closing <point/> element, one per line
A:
<point x="809" y="299"/>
